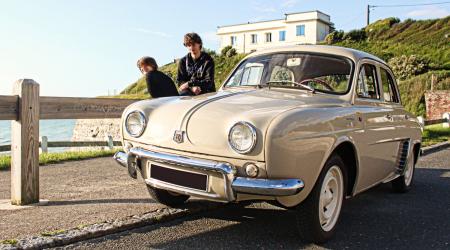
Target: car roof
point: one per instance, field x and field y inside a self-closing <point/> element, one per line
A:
<point x="353" y="54"/>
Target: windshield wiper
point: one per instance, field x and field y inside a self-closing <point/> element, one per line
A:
<point x="306" y="87"/>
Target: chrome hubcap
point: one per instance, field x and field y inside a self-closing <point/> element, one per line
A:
<point x="409" y="171"/>
<point x="331" y="195"/>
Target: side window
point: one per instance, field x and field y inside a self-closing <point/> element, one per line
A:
<point x="389" y="92"/>
<point x="367" y="82"/>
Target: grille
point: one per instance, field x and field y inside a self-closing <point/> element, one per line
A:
<point x="402" y="155"/>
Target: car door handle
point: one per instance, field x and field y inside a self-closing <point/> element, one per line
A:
<point x="388" y="116"/>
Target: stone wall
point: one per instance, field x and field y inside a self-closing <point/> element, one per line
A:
<point x="437" y="103"/>
<point x="96" y="130"/>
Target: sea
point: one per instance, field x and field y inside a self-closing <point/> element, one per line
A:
<point x="55" y="130"/>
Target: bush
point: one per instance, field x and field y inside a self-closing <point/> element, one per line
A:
<point x="355" y="35"/>
<point x="225" y="50"/>
<point x="405" y="67"/>
<point x="334" y="37"/>
<point x="231" y="52"/>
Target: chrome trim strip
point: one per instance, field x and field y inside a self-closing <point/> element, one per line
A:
<point x="283" y="187"/>
<point x="182" y="161"/>
<point x="121" y="158"/>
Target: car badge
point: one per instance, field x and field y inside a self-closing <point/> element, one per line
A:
<point x="178" y="136"/>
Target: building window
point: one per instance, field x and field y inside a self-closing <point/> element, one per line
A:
<point x="301" y="30"/>
<point x="254" y="38"/>
<point x="282" y="35"/>
<point x="268" y="37"/>
<point x="233" y="40"/>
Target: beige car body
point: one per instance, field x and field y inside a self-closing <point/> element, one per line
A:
<point x="297" y="131"/>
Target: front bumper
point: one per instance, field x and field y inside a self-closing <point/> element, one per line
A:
<point x="223" y="185"/>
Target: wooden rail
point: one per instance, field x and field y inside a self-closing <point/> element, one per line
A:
<point x="25" y="108"/>
<point x="44" y="145"/>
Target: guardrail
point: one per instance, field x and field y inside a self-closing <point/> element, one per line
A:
<point x="25" y="108"/>
<point x="445" y="120"/>
<point x="44" y="144"/>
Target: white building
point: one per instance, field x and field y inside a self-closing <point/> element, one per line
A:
<point x="296" y="28"/>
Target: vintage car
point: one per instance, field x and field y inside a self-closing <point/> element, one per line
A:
<point x="303" y="127"/>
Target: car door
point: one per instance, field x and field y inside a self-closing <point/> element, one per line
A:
<point x="374" y="144"/>
<point x="400" y="135"/>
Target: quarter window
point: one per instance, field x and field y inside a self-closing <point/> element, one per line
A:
<point x="367" y="82"/>
<point x="389" y="92"/>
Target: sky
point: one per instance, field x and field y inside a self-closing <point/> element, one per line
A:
<point x="89" y="48"/>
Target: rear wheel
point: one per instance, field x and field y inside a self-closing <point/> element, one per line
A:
<point x="167" y="198"/>
<point x="403" y="183"/>
<point x="319" y="214"/>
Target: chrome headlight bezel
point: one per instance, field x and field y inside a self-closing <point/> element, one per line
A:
<point x="251" y="129"/>
<point x="142" y="119"/>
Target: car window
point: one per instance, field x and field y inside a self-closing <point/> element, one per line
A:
<point x="280" y="73"/>
<point x="389" y="92"/>
<point x="367" y="82"/>
<point x="325" y="73"/>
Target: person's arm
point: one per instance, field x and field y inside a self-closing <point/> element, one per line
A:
<point x="207" y="82"/>
<point x="149" y="85"/>
<point x="182" y="75"/>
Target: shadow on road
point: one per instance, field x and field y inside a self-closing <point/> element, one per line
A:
<point x="99" y="201"/>
<point x="376" y="219"/>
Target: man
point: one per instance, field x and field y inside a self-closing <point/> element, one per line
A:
<point x="158" y="83"/>
<point x="196" y="69"/>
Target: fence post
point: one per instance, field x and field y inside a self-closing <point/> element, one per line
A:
<point x="110" y="142"/>
<point x="44" y="144"/>
<point x="446" y="123"/>
<point x="25" y="145"/>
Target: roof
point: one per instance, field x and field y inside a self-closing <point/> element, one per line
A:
<point x="326" y="49"/>
<point x="281" y="19"/>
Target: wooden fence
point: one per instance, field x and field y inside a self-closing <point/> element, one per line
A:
<point x="25" y="108"/>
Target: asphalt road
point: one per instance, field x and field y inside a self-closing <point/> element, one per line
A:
<point x="376" y="219"/>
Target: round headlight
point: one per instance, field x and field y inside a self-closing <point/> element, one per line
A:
<point x="135" y="123"/>
<point x="242" y="137"/>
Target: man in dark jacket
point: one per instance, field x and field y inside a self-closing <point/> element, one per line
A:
<point x="196" y="69"/>
<point x="158" y="83"/>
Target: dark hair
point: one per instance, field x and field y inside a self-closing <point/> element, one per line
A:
<point x="146" y="60"/>
<point x="191" y="38"/>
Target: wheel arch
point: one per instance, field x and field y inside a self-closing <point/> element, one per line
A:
<point x="347" y="151"/>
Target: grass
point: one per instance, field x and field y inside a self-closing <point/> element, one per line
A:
<point x="434" y="134"/>
<point x="9" y="241"/>
<point x="52" y="233"/>
<point x="48" y="158"/>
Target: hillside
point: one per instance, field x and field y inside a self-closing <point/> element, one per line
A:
<point x="414" y="49"/>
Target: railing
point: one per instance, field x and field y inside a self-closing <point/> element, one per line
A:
<point x="445" y="120"/>
<point x="44" y="144"/>
<point x="25" y="108"/>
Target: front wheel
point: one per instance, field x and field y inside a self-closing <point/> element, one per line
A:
<point x="167" y="198"/>
<point x="318" y="215"/>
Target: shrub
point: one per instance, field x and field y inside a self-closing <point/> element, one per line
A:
<point x="355" y="35"/>
<point x="225" y="50"/>
<point x="334" y="37"/>
<point x="231" y="52"/>
<point x="405" y="67"/>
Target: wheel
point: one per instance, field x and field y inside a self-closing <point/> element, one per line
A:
<point x="404" y="182"/>
<point x="167" y="198"/>
<point x="318" y="215"/>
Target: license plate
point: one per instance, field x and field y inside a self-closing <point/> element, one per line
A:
<point x="178" y="177"/>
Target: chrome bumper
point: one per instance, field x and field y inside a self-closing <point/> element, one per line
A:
<point x="231" y="183"/>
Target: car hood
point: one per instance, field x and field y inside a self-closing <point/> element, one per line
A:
<point x="206" y="119"/>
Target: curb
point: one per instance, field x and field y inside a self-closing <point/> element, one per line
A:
<point x="434" y="148"/>
<point x="82" y="233"/>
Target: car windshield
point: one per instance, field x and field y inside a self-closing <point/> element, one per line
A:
<point x="324" y="73"/>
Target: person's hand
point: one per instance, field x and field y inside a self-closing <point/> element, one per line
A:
<point x="196" y="90"/>
<point x="184" y="86"/>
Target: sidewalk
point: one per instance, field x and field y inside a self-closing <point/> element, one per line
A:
<point x="79" y="193"/>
